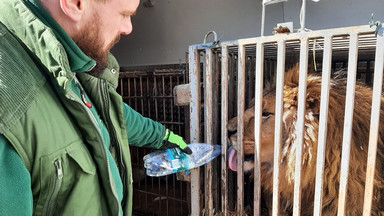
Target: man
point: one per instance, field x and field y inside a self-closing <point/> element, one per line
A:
<point x="64" y="131"/>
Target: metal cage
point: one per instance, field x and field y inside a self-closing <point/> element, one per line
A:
<point x="219" y="77"/>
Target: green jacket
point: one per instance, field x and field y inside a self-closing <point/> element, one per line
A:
<point x="77" y="157"/>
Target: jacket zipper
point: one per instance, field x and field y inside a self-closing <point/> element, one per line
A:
<point x="51" y="205"/>
<point x="95" y="124"/>
<point x="107" y="115"/>
<point x="82" y="94"/>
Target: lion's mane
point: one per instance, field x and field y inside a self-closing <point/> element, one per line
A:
<point x="358" y="156"/>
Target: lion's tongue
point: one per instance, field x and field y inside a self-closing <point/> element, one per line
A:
<point x="232" y="162"/>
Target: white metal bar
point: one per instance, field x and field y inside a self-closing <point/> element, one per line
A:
<point x="300" y="123"/>
<point x="311" y="34"/>
<point x="262" y="20"/>
<point x="375" y="120"/>
<point x="302" y="15"/>
<point x="240" y="128"/>
<point x="224" y="131"/>
<point x="278" y="125"/>
<point x="258" y="119"/>
<point x="208" y="123"/>
<point x="322" y="138"/>
<point x="194" y="77"/>
<point x="348" y="119"/>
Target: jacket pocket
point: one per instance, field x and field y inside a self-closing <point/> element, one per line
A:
<point x="64" y="174"/>
<point x="52" y="195"/>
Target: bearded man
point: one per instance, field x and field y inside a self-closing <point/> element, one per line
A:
<point x="64" y="130"/>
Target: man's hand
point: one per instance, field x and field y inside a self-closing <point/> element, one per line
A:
<point x="172" y="140"/>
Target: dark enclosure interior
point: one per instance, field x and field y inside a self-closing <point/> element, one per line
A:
<point x="149" y="90"/>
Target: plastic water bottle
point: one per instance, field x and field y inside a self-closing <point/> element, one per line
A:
<point x="173" y="160"/>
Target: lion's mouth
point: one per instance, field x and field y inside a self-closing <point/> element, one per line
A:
<point x="232" y="160"/>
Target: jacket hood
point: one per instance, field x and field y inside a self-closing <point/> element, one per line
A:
<point x="38" y="38"/>
<point x="43" y="43"/>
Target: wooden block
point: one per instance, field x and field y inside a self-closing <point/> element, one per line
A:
<point x="182" y="95"/>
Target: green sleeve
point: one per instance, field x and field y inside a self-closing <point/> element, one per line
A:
<point x="15" y="182"/>
<point x="142" y="131"/>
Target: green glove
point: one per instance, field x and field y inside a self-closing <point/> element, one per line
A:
<point x="172" y="140"/>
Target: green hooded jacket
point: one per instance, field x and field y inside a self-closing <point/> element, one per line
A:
<point x="67" y="157"/>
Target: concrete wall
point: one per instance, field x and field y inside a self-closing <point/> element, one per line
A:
<point x="162" y="34"/>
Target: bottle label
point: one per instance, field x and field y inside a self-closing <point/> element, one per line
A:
<point x="178" y="159"/>
<point x="175" y="163"/>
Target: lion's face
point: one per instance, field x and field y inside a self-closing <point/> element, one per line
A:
<point x="334" y="141"/>
<point x="267" y="133"/>
<point x="289" y="133"/>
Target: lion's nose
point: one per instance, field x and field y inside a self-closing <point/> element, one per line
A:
<point x="230" y="133"/>
<point x="233" y="140"/>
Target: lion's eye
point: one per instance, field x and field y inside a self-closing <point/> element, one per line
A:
<point x="266" y="114"/>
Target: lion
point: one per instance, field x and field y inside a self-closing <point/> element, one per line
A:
<point x="334" y="139"/>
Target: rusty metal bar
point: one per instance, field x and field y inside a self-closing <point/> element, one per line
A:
<point x="121" y="87"/>
<point x="166" y="195"/>
<point x="240" y="128"/>
<point x="208" y="123"/>
<point x="171" y="100"/>
<point x="129" y="91"/>
<point x="179" y="109"/>
<point x="149" y="101"/>
<point x="278" y="125"/>
<point x="135" y="87"/>
<point x="159" y="195"/>
<point x="303" y="67"/>
<point x="156" y="93"/>
<point x="194" y="77"/>
<point x="141" y="95"/>
<point x="258" y="119"/>
<point x="325" y="82"/>
<point x="224" y="131"/>
<point x="252" y="77"/>
<point x="368" y="74"/>
<point x="375" y="120"/>
<point x="348" y="119"/>
<point x="163" y="94"/>
<point x="216" y="129"/>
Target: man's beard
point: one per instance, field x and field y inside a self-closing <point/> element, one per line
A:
<point x="91" y="43"/>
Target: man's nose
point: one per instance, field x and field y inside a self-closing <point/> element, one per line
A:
<point x="126" y="27"/>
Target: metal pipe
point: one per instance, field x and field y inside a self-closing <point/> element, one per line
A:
<point x="375" y="121"/>
<point x="224" y="131"/>
<point x="262" y="20"/>
<point x="240" y="128"/>
<point x="322" y="138"/>
<point x="300" y="124"/>
<point x="348" y="120"/>
<point x="208" y="122"/>
<point x="194" y="75"/>
<point x="278" y="125"/>
<point x="302" y="15"/>
<point x="258" y="119"/>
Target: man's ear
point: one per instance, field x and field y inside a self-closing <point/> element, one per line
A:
<point x="74" y="9"/>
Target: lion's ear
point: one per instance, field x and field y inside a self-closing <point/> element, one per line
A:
<point x="313" y="103"/>
<point x="292" y="76"/>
